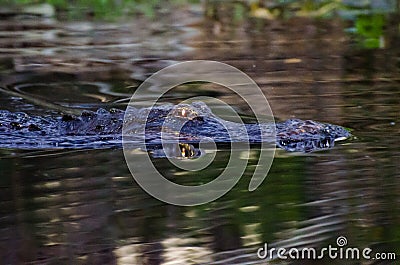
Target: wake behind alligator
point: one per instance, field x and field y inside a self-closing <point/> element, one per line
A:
<point x="187" y="123"/>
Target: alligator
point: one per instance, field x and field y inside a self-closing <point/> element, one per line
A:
<point x="187" y="123"/>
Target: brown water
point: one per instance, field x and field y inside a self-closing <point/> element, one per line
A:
<point x="83" y="207"/>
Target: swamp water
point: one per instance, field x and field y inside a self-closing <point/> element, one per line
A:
<point x="81" y="206"/>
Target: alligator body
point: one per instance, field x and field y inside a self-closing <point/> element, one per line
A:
<point x="189" y="124"/>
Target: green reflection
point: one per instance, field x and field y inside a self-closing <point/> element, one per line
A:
<point x="370" y="30"/>
<point x="112" y="9"/>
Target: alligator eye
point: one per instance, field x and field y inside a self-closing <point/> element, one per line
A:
<point x="187" y="150"/>
<point x="183" y="113"/>
<point x="183" y="152"/>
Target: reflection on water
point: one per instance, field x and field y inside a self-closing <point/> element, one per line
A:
<point x="83" y="207"/>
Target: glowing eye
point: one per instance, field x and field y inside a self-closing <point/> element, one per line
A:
<point x="183" y="152"/>
<point x="183" y="112"/>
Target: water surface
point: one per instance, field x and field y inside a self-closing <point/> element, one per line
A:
<point x="83" y="207"/>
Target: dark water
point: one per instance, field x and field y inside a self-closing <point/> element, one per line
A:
<point x="83" y="207"/>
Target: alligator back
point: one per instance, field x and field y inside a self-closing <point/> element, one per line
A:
<point x="187" y="123"/>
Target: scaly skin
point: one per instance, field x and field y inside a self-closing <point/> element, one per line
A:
<point x="187" y="123"/>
